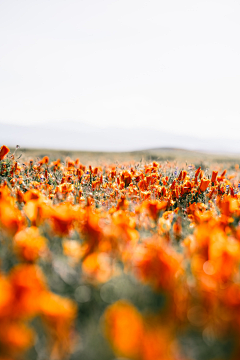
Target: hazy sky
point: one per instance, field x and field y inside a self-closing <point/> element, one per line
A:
<point x="166" y="64"/>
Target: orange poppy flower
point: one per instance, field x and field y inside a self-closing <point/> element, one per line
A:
<point x="58" y="314"/>
<point x="204" y="184"/>
<point x="123" y="327"/>
<point x="28" y="284"/>
<point x="214" y="176"/>
<point x="3" y="152"/>
<point x="62" y="217"/>
<point x="154" y="259"/>
<point x="15" y="338"/>
<point x="29" y="244"/>
<point x="154" y="207"/>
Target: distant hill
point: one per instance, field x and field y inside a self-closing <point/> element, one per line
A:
<point x="82" y="137"/>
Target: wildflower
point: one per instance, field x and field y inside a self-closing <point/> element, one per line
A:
<point x="62" y="217"/>
<point x="15" y="338"/>
<point x="154" y="207"/>
<point x="197" y="172"/>
<point x="29" y="244"/>
<point x="28" y="283"/>
<point x="11" y="218"/>
<point x="214" y="176"/>
<point x="154" y="259"/>
<point x="204" y="184"/>
<point x="6" y="296"/>
<point x="177" y="228"/>
<point x="58" y="314"/>
<point x="3" y="152"/>
<point x="123" y="327"/>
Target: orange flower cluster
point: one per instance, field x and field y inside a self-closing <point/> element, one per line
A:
<point x="66" y="228"/>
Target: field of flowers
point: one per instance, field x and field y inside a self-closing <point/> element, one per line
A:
<point x="134" y="261"/>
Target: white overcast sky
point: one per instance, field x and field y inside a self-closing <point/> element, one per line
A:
<point x="166" y="64"/>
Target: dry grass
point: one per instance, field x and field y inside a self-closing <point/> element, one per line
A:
<point x="161" y="154"/>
